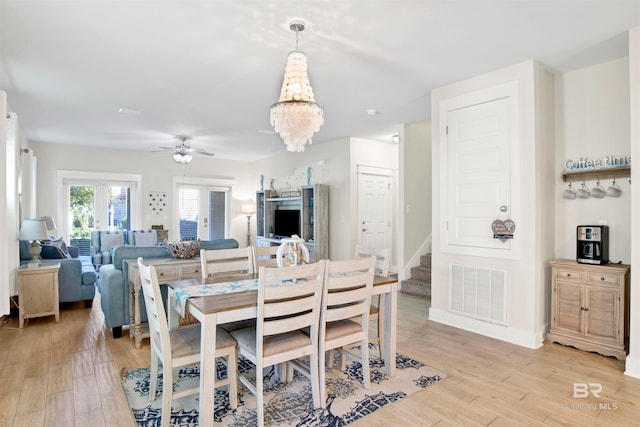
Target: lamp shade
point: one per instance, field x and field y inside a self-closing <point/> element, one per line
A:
<point x="33" y="229"/>
<point x="248" y="208"/>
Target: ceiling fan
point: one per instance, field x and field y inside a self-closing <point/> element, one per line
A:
<point x="182" y="152"/>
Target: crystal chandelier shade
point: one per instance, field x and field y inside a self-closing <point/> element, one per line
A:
<point x="296" y="116"/>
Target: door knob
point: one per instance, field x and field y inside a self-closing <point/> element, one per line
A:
<point x="364" y="229"/>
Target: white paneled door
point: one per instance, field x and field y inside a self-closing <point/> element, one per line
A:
<point x="478" y="139"/>
<point x="374" y="208"/>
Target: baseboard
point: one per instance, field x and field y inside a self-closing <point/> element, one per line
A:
<point x="514" y="336"/>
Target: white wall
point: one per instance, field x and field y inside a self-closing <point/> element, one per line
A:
<point x="527" y="280"/>
<point x="157" y="170"/>
<point x="416" y="205"/>
<point x="6" y="243"/>
<point x="592" y="120"/>
<point x="633" y="360"/>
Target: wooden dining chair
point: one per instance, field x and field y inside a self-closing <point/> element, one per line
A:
<point x="289" y="300"/>
<point x="219" y="262"/>
<point x="265" y="256"/>
<point x="383" y="261"/>
<point x="179" y="347"/>
<point x="228" y="262"/>
<point x="346" y="294"/>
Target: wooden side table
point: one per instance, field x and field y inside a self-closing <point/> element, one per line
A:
<point x="168" y="270"/>
<point x="38" y="291"/>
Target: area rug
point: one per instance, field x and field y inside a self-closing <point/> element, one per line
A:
<point x="288" y="404"/>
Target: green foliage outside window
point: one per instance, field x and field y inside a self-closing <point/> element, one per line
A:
<point x="82" y="211"/>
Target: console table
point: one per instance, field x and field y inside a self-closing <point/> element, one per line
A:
<point x="168" y="270"/>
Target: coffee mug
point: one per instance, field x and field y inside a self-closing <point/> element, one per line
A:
<point x="583" y="192"/>
<point x="614" y="190"/>
<point x="569" y="193"/>
<point x="598" y="191"/>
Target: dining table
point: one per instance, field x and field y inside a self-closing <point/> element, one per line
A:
<point x="217" y="300"/>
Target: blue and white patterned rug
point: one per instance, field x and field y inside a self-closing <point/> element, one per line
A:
<point x="288" y="404"/>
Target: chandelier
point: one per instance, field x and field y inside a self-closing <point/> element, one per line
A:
<point x="296" y="116"/>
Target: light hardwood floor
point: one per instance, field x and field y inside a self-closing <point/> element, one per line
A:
<point x="68" y="373"/>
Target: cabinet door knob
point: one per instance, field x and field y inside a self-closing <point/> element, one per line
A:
<point x="602" y="278"/>
<point x="568" y="274"/>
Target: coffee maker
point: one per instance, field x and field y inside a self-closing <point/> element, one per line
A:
<point x="592" y="244"/>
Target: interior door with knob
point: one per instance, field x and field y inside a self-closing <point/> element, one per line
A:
<point x="478" y="173"/>
<point x="374" y="208"/>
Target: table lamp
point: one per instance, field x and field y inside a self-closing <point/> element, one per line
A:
<point x="248" y="208"/>
<point x="34" y="230"/>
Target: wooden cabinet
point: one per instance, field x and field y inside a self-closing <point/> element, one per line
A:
<point x="590" y="307"/>
<point x="168" y="270"/>
<point x="313" y="205"/>
<point x="38" y="291"/>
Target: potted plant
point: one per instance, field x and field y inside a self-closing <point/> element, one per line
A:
<point x="271" y="231"/>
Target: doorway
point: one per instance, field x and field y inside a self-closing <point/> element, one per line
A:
<point x="374" y="207"/>
<point x="96" y="202"/>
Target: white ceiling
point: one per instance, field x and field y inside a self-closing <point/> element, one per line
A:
<point x="211" y="69"/>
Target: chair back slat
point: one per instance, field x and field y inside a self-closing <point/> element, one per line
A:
<point x="287" y="308"/>
<point x="346" y="312"/>
<point x="280" y="326"/>
<point x="226" y="261"/>
<point x="279" y="291"/>
<point x="345" y="281"/>
<point x="348" y="295"/>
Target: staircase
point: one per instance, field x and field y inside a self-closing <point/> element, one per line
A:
<point x="420" y="281"/>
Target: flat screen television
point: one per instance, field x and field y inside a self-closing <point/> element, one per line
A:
<point x="286" y="223"/>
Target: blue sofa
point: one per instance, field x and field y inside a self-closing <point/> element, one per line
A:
<point x="113" y="282"/>
<point x="103" y="242"/>
<point x="76" y="278"/>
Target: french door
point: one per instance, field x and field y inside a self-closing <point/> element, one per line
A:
<point x="202" y="212"/>
<point x="97" y="204"/>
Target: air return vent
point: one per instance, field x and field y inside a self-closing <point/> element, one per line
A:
<point x="480" y="293"/>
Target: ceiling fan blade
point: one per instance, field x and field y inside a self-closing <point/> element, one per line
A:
<point x="163" y="149"/>
<point x="202" y="152"/>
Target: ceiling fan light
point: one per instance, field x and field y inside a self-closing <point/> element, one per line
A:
<point x="182" y="158"/>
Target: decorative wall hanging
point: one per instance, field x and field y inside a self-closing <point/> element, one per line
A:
<point x="157" y="202"/>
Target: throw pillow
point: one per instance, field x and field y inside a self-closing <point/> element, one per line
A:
<point x="54" y="249"/>
<point x="144" y="237"/>
<point x="108" y="240"/>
